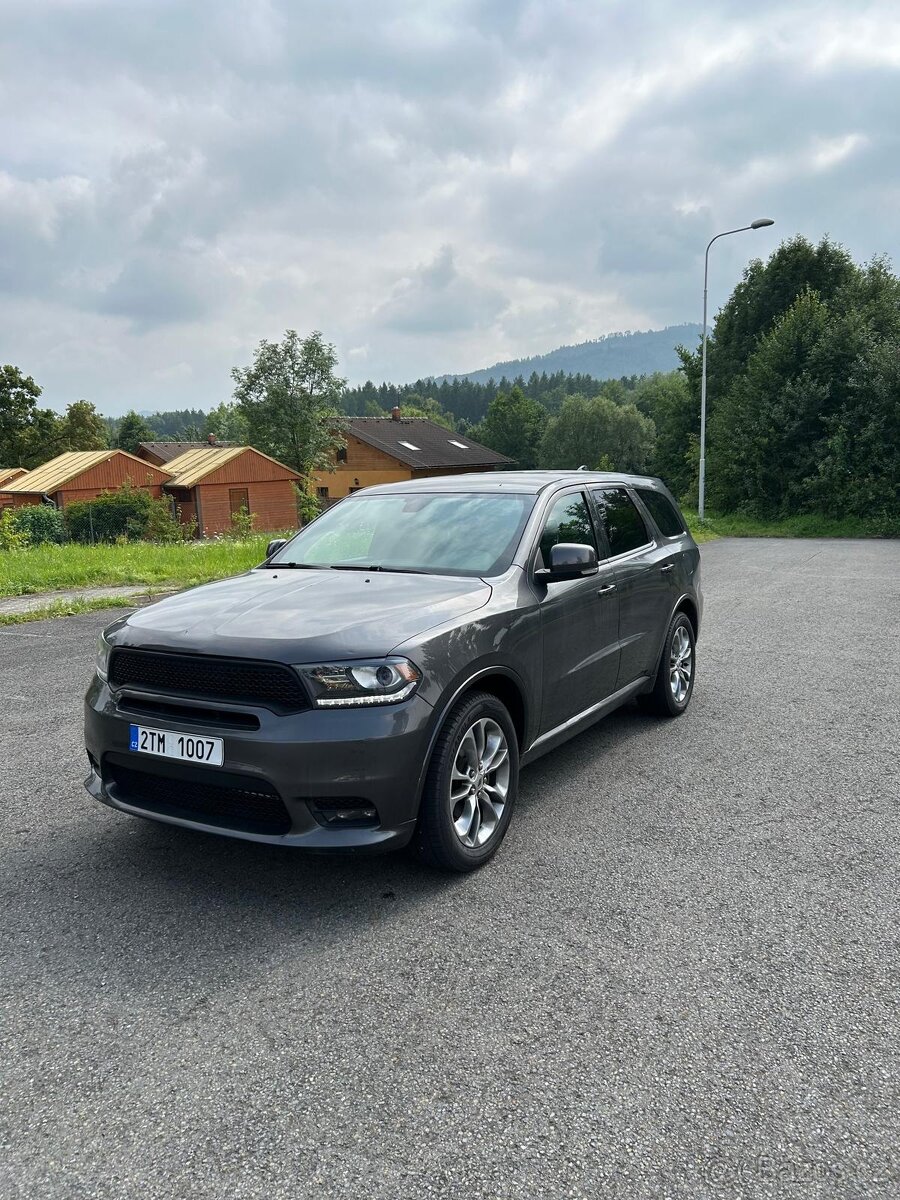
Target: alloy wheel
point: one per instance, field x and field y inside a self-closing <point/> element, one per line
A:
<point x="479" y="783"/>
<point x="681" y="664"/>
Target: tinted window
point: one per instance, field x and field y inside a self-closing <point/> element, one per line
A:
<point x="624" y="525"/>
<point x="444" y="533"/>
<point x="662" y="512"/>
<point x="567" y="521"/>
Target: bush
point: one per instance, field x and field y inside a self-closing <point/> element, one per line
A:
<point x="42" y="523"/>
<point x="164" y="523"/>
<point x="242" y="523"/>
<point x="308" y="506"/>
<point x="125" y="513"/>
<point x="11" y="537"/>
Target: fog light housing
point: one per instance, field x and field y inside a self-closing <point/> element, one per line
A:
<point x="349" y="812"/>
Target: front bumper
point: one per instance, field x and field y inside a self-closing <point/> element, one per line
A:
<point x="376" y="755"/>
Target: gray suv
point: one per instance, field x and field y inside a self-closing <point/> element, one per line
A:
<point x="384" y="674"/>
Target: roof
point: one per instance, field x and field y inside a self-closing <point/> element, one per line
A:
<point x="53" y="475"/>
<point x="193" y="467"/>
<point x="169" y="450"/>
<point x="422" y="443"/>
<point x="10" y="473"/>
<point x="527" y="482"/>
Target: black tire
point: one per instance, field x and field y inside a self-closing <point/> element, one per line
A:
<point x="662" y="700"/>
<point x="436" y="840"/>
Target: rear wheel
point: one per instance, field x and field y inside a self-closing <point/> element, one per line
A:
<point x="471" y="785"/>
<point x="674" y="683"/>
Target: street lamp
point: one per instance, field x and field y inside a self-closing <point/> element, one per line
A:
<point x="760" y="223"/>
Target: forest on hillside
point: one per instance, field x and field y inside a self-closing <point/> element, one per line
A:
<point x="642" y="352"/>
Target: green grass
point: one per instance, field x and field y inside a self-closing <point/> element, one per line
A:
<point x="67" y="608"/>
<point x="806" y="525"/>
<point x="54" y="568"/>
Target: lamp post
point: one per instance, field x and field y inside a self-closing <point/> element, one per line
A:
<point x="760" y="223"/>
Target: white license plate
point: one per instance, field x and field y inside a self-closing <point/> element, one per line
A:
<point x="187" y="747"/>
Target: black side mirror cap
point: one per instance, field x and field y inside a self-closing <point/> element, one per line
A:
<point x="274" y="546"/>
<point x="569" y="560"/>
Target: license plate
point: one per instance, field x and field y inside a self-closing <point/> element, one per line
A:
<point x="186" y="747"/>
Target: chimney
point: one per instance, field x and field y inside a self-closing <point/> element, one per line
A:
<point x="211" y="438"/>
<point x="395" y="413"/>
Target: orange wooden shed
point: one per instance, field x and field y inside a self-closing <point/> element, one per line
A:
<point x="210" y="484"/>
<point x="82" y="475"/>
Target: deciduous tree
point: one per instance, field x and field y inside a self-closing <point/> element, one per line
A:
<point x="132" y="431"/>
<point x="586" y="429"/>
<point x="514" y="425"/>
<point x="83" y="428"/>
<point x="289" y="397"/>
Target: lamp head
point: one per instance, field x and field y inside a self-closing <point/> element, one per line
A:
<point x="761" y="222"/>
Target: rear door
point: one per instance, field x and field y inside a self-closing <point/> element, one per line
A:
<point x="579" y="619"/>
<point x="643" y="570"/>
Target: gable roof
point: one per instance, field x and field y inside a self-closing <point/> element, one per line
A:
<point x="53" y="475"/>
<point x="8" y="474"/>
<point x="422" y="443"/>
<point x="193" y="467"/>
<point x="169" y="450"/>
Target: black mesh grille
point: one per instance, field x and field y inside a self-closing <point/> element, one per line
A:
<point x="240" y="681"/>
<point x="243" y="803"/>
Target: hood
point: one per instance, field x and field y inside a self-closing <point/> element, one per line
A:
<point x="302" y="616"/>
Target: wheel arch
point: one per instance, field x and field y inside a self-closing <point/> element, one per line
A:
<point x="499" y="681"/>
<point x="688" y="606"/>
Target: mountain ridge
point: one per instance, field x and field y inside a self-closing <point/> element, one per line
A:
<point x="638" y="352"/>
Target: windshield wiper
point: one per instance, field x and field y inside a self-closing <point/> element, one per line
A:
<point x="295" y="566"/>
<point x="377" y="567"/>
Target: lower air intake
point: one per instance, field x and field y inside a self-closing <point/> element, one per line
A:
<point x="237" y="802"/>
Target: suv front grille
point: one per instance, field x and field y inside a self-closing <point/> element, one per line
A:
<point x="232" y="801"/>
<point x="235" y="680"/>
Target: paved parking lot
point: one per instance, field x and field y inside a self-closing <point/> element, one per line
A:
<point x="679" y="977"/>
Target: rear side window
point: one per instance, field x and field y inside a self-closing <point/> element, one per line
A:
<point x="567" y="521"/>
<point x="663" y="513"/>
<point x="624" y="525"/>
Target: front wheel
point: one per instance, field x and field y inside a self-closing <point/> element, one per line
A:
<point x="471" y="785"/>
<point x="674" y="683"/>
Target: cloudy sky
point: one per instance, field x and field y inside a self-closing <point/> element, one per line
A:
<point x="435" y="184"/>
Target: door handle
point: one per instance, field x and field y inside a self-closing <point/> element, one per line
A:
<point x="609" y="587"/>
<point x="668" y="567"/>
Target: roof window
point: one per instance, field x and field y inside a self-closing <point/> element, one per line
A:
<point x="410" y="446"/>
<point x="453" y="442"/>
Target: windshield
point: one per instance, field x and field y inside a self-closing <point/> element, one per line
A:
<point x="448" y="533"/>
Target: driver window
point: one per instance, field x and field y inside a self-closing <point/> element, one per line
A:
<point x="567" y="521"/>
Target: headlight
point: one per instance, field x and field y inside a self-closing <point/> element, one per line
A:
<point x="351" y="685"/>
<point x="104" y="650"/>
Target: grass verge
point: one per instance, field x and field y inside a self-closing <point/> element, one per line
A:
<point x="806" y="525"/>
<point x="57" y="568"/>
<point x="69" y="608"/>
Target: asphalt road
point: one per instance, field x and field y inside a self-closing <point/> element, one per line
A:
<point x="679" y="977"/>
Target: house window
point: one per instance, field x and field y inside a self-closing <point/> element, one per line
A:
<point x="342" y="454"/>
<point x="410" y="446"/>
<point x="238" y="498"/>
<point x="323" y="493"/>
<point x="453" y="442"/>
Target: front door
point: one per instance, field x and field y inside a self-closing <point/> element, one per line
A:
<point x="643" y="571"/>
<point x="579" y="620"/>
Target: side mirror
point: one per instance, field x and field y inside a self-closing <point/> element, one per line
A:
<point x="274" y="546"/>
<point x="569" y="560"/>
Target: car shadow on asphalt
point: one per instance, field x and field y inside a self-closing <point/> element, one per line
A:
<point x="136" y="898"/>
